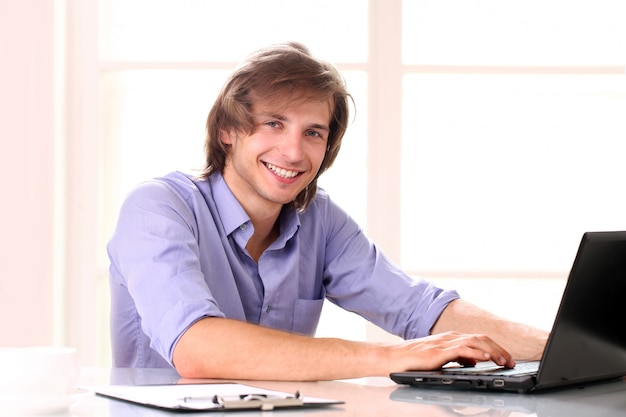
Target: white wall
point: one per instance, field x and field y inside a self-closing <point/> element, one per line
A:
<point x="27" y="173"/>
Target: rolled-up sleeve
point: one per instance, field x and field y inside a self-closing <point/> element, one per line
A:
<point x="154" y="254"/>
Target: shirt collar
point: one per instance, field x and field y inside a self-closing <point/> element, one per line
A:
<point x="289" y="224"/>
<point x="231" y="212"/>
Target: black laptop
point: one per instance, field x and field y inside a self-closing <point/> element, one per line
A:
<point x="588" y="338"/>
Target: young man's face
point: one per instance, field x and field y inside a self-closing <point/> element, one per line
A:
<point x="270" y="167"/>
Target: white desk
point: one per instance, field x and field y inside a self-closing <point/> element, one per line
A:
<point x="368" y="397"/>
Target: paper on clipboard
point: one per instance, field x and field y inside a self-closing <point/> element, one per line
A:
<point x="209" y="397"/>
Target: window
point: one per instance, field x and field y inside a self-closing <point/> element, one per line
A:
<point x="506" y="171"/>
<point x="513" y="132"/>
<point x="487" y="136"/>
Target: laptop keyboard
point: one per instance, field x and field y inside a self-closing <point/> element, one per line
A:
<point x="521" y="368"/>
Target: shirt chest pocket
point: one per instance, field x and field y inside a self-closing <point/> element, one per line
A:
<point x="306" y="316"/>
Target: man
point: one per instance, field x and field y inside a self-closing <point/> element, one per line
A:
<point x="224" y="276"/>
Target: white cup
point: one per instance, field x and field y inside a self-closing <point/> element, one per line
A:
<point x="36" y="377"/>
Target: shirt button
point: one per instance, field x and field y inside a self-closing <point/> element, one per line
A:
<point x="268" y="309"/>
<point x="243" y="226"/>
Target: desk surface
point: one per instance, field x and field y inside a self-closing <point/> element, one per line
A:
<point x="367" y="397"/>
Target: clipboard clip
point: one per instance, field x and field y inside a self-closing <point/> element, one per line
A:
<point x="261" y="402"/>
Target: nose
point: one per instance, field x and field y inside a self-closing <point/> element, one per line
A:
<point x="290" y="146"/>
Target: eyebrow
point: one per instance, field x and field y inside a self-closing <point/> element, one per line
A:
<point x="285" y="119"/>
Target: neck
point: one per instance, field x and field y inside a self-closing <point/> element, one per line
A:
<point x="264" y="234"/>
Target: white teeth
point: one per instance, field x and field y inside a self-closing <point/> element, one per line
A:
<point x="281" y="172"/>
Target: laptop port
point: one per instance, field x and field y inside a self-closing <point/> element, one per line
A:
<point x="498" y="383"/>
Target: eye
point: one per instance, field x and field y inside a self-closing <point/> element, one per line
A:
<point x="273" y="123"/>
<point x="315" y="134"/>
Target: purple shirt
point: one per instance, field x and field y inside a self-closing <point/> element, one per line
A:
<point x="178" y="255"/>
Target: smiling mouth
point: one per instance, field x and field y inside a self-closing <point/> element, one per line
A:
<point x="281" y="172"/>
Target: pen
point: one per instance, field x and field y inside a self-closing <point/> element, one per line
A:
<point x="218" y="399"/>
<point x="244" y="401"/>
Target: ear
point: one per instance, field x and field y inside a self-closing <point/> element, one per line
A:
<point x="226" y="137"/>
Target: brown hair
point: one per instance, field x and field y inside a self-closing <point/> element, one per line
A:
<point x="285" y="71"/>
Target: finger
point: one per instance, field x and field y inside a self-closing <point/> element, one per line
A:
<point x="500" y="355"/>
<point x="466" y="363"/>
<point x="488" y="348"/>
<point x="496" y="352"/>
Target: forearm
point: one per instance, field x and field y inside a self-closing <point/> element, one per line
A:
<point x="224" y="348"/>
<point x="524" y="342"/>
<point x="229" y="349"/>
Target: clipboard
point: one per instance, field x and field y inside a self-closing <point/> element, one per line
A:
<point x="210" y="397"/>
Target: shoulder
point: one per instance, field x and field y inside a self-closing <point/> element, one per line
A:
<point x="325" y="213"/>
<point x="173" y="195"/>
<point x="172" y="183"/>
<point x="169" y="189"/>
<point x="322" y="201"/>
<point x="323" y="205"/>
